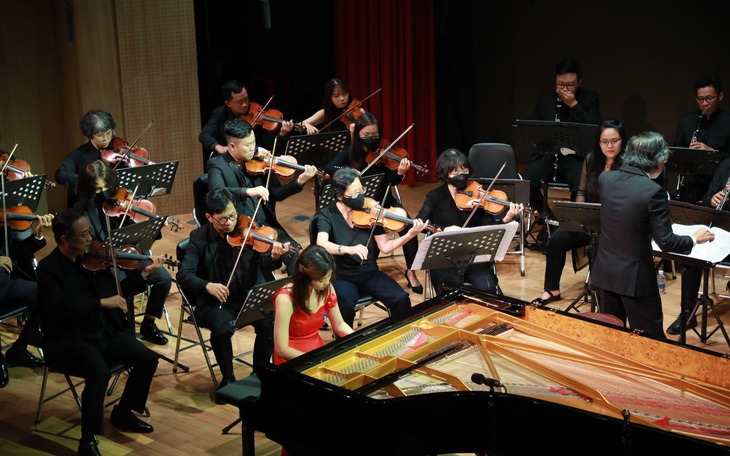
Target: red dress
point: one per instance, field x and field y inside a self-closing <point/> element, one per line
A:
<point x="304" y="329"/>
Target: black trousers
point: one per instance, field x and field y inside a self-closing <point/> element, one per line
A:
<point x="377" y="284"/>
<point x="568" y="172"/>
<point x="479" y="275"/>
<point x="561" y="242"/>
<point x="642" y="312"/>
<point x="691" y="281"/>
<point x="22" y="292"/>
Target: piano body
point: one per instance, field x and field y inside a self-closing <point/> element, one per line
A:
<point x="559" y="383"/>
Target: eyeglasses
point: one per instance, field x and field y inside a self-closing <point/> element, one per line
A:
<point x="708" y="99"/>
<point x="373" y="136"/>
<point x="105" y="135"/>
<point x="85" y="234"/>
<point x="606" y="142"/>
<point x="229" y="218"/>
<point x="356" y="194"/>
<point x="569" y="85"/>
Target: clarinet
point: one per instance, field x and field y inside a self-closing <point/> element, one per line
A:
<point x="697" y="131"/>
<point x="558" y="105"/>
<point x="725" y="192"/>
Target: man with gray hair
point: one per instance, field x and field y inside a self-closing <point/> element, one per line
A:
<point x="634" y="209"/>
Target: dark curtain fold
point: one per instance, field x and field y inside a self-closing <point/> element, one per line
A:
<point x="389" y="44"/>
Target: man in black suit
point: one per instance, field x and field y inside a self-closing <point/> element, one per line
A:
<point x="228" y="170"/>
<point x="84" y="329"/>
<point x="634" y="209"/>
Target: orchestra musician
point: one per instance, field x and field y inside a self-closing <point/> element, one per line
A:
<point x="706" y="128"/>
<point x="610" y="141"/>
<point x="97" y="183"/>
<point x="355" y="252"/>
<point x="335" y="102"/>
<point x="692" y="275"/>
<point x="570" y="102"/>
<point x="82" y="317"/>
<point x="453" y="170"/>
<point x="366" y="137"/>
<point x="18" y="287"/>
<point x="98" y="126"/>
<point x="300" y="306"/>
<point x="208" y="264"/>
<point x="228" y="170"/>
<point x="236" y="104"/>
<point x="635" y="210"/>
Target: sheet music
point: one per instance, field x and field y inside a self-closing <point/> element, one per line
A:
<point x="713" y="252"/>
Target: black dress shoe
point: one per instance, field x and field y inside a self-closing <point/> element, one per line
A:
<point x="4" y="375"/>
<point x="22" y="358"/>
<point x="542" y="302"/>
<point x="674" y="327"/>
<point x="415" y="288"/>
<point x="125" y="420"/>
<point x="89" y="448"/>
<point x="151" y="333"/>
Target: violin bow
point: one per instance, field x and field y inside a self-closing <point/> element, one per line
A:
<point x="129" y="205"/>
<point x="261" y="113"/>
<point x="253" y="220"/>
<point x="483" y="197"/>
<point x="385" y="151"/>
<point x="350" y="109"/>
<point x="377" y="216"/>
<point x="113" y="256"/>
<point x="5" y="209"/>
<point x="131" y="146"/>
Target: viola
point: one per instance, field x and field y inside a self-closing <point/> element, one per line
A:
<point x="269" y="119"/>
<point x="18" y="168"/>
<point x="392" y="219"/>
<point x="139" y="209"/>
<point x="261" y="238"/>
<point x="494" y="202"/>
<point x="392" y="158"/>
<point x="97" y="257"/>
<point x="19" y="217"/>
<point x="283" y="166"/>
<point x="118" y="150"/>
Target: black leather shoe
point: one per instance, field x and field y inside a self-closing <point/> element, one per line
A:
<point x="151" y="333"/>
<point x="125" y="420"/>
<point x="415" y="288"/>
<point x="23" y="358"/>
<point x="4" y="375"/>
<point x="542" y="302"/>
<point x="89" y="448"/>
<point x="674" y="327"/>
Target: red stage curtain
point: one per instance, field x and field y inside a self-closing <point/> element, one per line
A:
<point x="389" y="44"/>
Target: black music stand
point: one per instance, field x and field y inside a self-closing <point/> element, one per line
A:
<point x="690" y="214"/>
<point x="692" y="162"/>
<point x="24" y="192"/>
<point x="548" y="137"/>
<point x="464" y="247"/>
<point x="370" y="185"/>
<point x="154" y="179"/>
<point x="582" y="218"/>
<point x="317" y="150"/>
<point x="258" y="303"/>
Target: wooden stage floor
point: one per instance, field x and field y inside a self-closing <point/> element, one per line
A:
<point x="185" y="418"/>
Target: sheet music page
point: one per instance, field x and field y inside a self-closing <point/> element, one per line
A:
<point x="714" y="251"/>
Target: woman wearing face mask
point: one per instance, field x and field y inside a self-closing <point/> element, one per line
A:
<point x="453" y="169"/>
<point x="355" y="254"/>
<point x="336" y="99"/>
<point x="365" y="138"/>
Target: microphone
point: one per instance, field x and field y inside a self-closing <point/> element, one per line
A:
<point x="482" y="380"/>
<point x="266" y="13"/>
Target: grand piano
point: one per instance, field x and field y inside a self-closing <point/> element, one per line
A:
<point x="468" y="372"/>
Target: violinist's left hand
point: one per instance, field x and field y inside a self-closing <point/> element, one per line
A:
<point x="157" y="262"/>
<point x="27" y="174"/>
<point x="403" y="166"/>
<point x="309" y="172"/>
<point x="278" y="249"/>
<point x="44" y="221"/>
<point x="418" y="226"/>
<point x="514" y="210"/>
<point x="286" y="127"/>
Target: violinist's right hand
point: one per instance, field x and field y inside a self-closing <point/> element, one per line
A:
<point x="218" y="291"/>
<point x="311" y="129"/>
<point x="360" y="250"/>
<point x="221" y="149"/>
<point x="114" y="302"/>
<point x="6" y="264"/>
<point x="258" y="192"/>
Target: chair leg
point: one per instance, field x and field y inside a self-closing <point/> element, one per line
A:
<point x="183" y="308"/>
<point x="230" y="426"/>
<point x="72" y="387"/>
<point x="42" y="398"/>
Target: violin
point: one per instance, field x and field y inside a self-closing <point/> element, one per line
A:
<point x="269" y="119"/>
<point x="392" y="158"/>
<point x="283" y="166"/>
<point x="392" y="219"/>
<point x="261" y="238"/>
<point x="139" y="211"/>
<point x="19" y="217"/>
<point x="494" y="202"/>
<point x="129" y="257"/>
<point x="19" y="168"/>
<point x="118" y="150"/>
